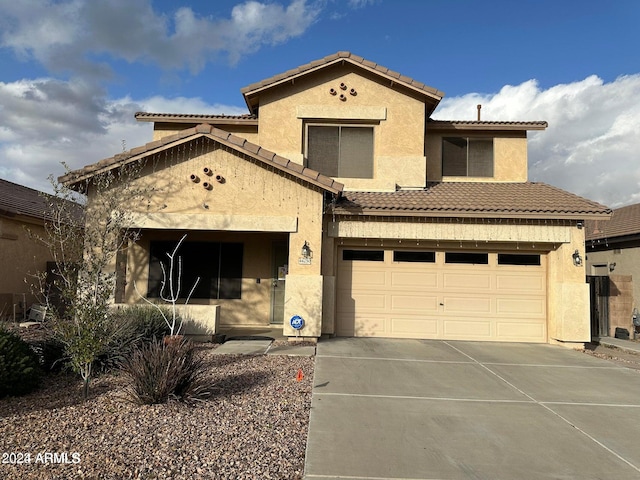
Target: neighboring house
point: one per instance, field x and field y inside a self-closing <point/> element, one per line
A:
<point x="613" y="250"/>
<point x="339" y="200"/>
<point x="23" y="212"/>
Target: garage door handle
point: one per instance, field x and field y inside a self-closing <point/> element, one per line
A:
<point x="442" y="304"/>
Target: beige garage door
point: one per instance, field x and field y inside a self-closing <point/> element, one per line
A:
<point x="441" y="295"/>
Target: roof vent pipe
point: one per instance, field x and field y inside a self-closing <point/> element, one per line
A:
<point x="479" y="108"/>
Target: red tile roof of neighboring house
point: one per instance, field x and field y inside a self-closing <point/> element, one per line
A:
<point x="20" y="200"/>
<point x="250" y="91"/>
<point x="234" y="142"/>
<point x="624" y="221"/>
<point x="473" y="199"/>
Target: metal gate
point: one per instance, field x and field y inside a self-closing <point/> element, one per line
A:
<point x="599" y="288"/>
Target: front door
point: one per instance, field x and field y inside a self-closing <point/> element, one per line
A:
<point x="280" y="259"/>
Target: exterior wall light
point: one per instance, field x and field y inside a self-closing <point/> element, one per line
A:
<point x="612" y="266"/>
<point x="577" y="259"/>
<point x="306" y="251"/>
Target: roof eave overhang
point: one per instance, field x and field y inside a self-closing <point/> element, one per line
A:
<point x="196" y="119"/>
<point x="487" y="214"/>
<point x="72" y="180"/>
<point x="251" y="94"/>
<point x="484" y="126"/>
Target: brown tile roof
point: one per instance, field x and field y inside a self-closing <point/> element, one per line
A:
<point x="624" y="221"/>
<point x="251" y="90"/>
<point x="473" y="199"/>
<point x="20" y="200"/>
<point x="234" y="142"/>
<point x="484" y="125"/>
<point x="196" y="118"/>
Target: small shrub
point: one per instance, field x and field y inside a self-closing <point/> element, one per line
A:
<point x="50" y="352"/>
<point x="160" y="372"/>
<point x="19" y="368"/>
<point x="130" y="326"/>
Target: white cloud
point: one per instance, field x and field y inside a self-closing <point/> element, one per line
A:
<point x="48" y="121"/>
<point x="64" y="35"/>
<point x="591" y="146"/>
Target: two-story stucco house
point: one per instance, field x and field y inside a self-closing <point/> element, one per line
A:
<point x="338" y="199"/>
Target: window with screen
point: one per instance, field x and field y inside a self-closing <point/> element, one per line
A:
<point x="467" y="157"/>
<point x="340" y="150"/>
<point x="217" y="265"/>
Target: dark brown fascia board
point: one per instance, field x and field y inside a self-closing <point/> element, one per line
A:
<point x="492" y="215"/>
<point x="198" y="120"/>
<point x="252" y="92"/>
<point x="485" y="126"/>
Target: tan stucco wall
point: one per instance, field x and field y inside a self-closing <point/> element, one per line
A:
<point x="251" y="198"/>
<point x="398" y="121"/>
<point x="21" y="257"/>
<point x="510" y="156"/>
<point x="568" y="299"/>
<point x="249" y="133"/>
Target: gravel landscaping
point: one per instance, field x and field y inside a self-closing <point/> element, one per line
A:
<point x="254" y="426"/>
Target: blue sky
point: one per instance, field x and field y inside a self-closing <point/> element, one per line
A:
<point x="73" y="73"/>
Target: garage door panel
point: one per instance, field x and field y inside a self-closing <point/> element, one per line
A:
<point x="521" y="306"/>
<point x="369" y="326"/>
<point x="414" y="280"/>
<point x="470" y="329"/>
<point x="414" y="327"/>
<point x="357" y="301"/>
<point x="368" y="278"/>
<point x="523" y="284"/>
<point x="416" y="303"/>
<point x="466" y="281"/>
<point x="521" y="330"/>
<point x="477" y="305"/>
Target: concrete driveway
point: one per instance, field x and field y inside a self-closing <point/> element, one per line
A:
<point x="419" y="409"/>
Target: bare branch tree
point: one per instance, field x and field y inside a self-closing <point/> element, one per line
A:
<point x="172" y="294"/>
<point x="84" y="254"/>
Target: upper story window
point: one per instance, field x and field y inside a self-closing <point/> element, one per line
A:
<point x="344" y="151"/>
<point x="467" y="157"/>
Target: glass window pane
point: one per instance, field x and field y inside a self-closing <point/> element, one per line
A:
<point x="356" y="152"/>
<point x="406" y="256"/>
<point x="470" y="258"/>
<point x="454" y="157"/>
<point x="364" y="255"/>
<point x="480" y="157"/>
<point x="230" y="270"/>
<point x="323" y="149"/>
<point x="518" y="259"/>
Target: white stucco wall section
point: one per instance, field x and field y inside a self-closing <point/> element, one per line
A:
<point x="451" y="230"/>
<point x="199" y="221"/>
